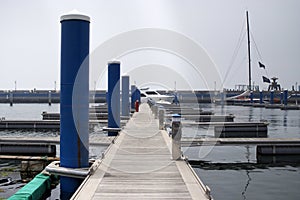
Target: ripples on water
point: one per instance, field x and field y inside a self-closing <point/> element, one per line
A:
<point x="232" y="172"/>
<point x="11" y="169"/>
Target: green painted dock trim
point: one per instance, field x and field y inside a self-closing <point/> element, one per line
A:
<point x="35" y="189"/>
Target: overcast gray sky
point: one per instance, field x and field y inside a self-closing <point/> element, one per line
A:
<point x="30" y="35"/>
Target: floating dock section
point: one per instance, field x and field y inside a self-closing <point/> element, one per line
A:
<point x="32" y="149"/>
<point x="139" y="166"/>
<point x="240" y="130"/>
<point x="278" y="149"/>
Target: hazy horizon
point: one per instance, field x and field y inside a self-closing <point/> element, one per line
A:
<point x="30" y="38"/>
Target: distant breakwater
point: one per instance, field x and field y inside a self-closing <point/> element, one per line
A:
<point x="99" y="96"/>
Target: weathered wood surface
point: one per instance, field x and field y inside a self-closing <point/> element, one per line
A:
<point x="139" y="166"/>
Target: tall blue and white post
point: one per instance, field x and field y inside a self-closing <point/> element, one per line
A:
<point x="74" y="98"/>
<point x="113" y="97"/>
<point x="125" y="96"/>
<point x="133" y="96"/>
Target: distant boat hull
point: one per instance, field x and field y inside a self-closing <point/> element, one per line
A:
<point x="155" y="96"/>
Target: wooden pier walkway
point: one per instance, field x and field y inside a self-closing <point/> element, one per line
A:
<point x="139" y="166"/>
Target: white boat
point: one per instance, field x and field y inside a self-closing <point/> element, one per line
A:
<point x="155" y="96"/>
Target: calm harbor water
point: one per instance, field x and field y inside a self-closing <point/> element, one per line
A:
<point x="32" y="112"/>
<point x="232" y="172"/>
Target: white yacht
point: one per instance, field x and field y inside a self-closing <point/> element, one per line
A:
<point x="153" y="95"/>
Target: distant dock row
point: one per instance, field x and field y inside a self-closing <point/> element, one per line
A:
<point x="99" y="96"/>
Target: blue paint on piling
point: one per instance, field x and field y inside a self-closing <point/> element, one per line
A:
<point x="125" y="96"/>
<point x="138" y="95"/>
<point x="261" y="97"/>
<point x="272" y="97"/>
<point x="251" y="97"/>
<point x="281" y="97"/>
<point x="74" y="144"/>
<point x="285" y="97"/>
<point x="133" y="97"/>
<point x="113" y="96"/>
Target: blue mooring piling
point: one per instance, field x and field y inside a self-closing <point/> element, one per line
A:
<point x="113" y="96"/>
<point x="260" y="97"/>
<point x="272" y="97"/>
<point x="251" y="97"/>
<point x="74" y="138"/>
<point x="281" y="97"/>
<point x="285" y="97"/>
<point x="133" y="88"/>
<point x="135" y="95"/>
<point x="125" y="96"/>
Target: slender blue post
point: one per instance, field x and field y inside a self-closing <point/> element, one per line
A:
<point x="281" y="97"/>
<point x="125" y="96"/>
<point x="285" y="97"/>
<point x="272" y="97"/>
<point x="74" y="144"/>
<point x="138" y="95"/>
<point x="133" y="97"/>
<point x="261" y="97"/>
<point x="251" y="97"/>
<point x="113" y="96"/>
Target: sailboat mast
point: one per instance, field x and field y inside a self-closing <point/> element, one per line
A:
<point x="249" y="50"/>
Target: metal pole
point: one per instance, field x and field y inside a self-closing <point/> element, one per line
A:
<point x="113" y="96"/>
<point x="125" y="96"/>
<point x="74" y="144"/>
<point x="249" y="50"/>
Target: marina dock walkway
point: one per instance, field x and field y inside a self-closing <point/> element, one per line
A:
<point x="138" y="165"/>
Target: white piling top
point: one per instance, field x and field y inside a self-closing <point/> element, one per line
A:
<point x="114" y="62"/>
<point x="75" y="15"/>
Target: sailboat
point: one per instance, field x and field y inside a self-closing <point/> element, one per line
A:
<point x="245" y="96"/>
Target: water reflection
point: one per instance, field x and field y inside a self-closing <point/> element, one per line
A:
<point x="247" y="173"/>
<point x="250" y="114"/>
<point x="285" y="119"/>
